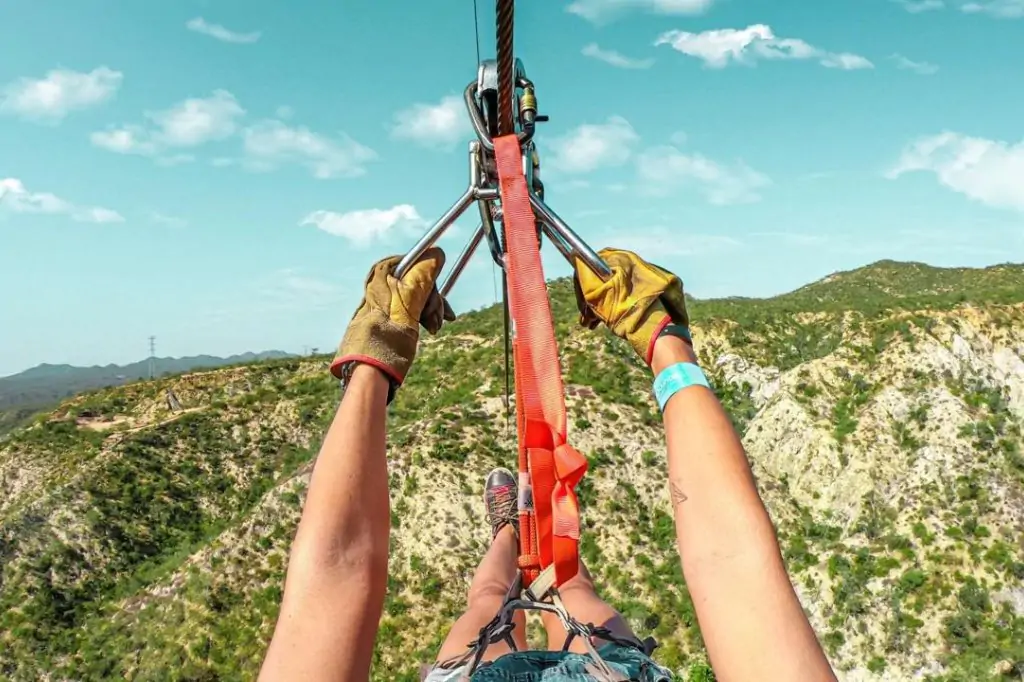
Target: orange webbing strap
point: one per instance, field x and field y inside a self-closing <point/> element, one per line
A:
<point x="549" y="469"/>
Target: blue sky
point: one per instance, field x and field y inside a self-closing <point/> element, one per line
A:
<point x="221" y="173"/>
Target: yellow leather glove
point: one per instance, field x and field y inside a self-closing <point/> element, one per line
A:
<point x="385" y="330"/>
<point x="637" y="303"/>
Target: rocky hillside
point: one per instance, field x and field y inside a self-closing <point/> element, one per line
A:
<point x="146" y="538"/>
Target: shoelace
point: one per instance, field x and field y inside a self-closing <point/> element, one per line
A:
<point x="502" y="508"/>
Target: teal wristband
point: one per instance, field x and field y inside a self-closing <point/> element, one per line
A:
<point x="675" y="378"/>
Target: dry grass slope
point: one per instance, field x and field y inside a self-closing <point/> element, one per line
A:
<point x="881" y="408"/>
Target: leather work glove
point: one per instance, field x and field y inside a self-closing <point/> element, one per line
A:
<point x="638" y="302"/>
<point x="385" y="330"/>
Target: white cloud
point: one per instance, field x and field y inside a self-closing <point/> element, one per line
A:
<point x="438" y="125"/>
<point x="918" y="6"/>
<point x="97" y="214"/>
<point x="196" y="121"/>
<point x="846" y="61"/>
<point x="129" y="139"/>
<point x="593" y="145"/>
<point x="189" y="123"/>
<point x="309" y="288"/>
<point x="665" y="169"/>
<point x="59" y="92"/>
<point x="603" y="10"/>
<point x="988" y="171"/>
<point x="720" y="47"/>
<point x="16" y="198"/>
<point x="922" y="68"/>
<point x="200" y="25"/>
<point x="364" y="227"/>
<point x="289" y="290"/>
<point x="167" y="220"/>
<point x="1002" y="9"/>
<point x="615" y="59"/>
<point x="271" y="143"/>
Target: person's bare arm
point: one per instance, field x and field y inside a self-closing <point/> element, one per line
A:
<point x="749" y="615"/>
<point x="337" y="573"/>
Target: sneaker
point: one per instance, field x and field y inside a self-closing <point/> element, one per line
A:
<point x="501" y="494"/>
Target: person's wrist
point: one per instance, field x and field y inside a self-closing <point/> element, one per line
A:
<point x="366" y="377"/>
<point x="669" y="350"/>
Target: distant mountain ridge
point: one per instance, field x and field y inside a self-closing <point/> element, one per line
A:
<point x="48" y="383"/>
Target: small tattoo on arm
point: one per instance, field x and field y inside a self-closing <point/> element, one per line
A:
<point x="678" y="496"/>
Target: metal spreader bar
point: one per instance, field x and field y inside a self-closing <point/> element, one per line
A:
<point x="481" y="103"/>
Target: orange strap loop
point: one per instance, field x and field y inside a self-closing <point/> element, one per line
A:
<point x="549" y="468"/>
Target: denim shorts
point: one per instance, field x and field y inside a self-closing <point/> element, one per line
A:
<point x="558" y="666"/>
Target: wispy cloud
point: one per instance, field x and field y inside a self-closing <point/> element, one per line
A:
<point x="1001" y="9"/>
<point x="167" y="220"/>
<point x="281" y="294"/>
<point x="615" y="58"/>
<point x="439" y="125"/>
<point x="51" y="98"/>
<point x="16" y="198"/>
<point x="922" y="68"/>
<point x="666" y="169"/>
<point x="266" y="144"/>
<point x="200" y="25"/>
<point x="606" y="10"/>
<point x="190" y="123"/>
<point x="594" y="145"/>
<point x="721" y="47"/>
<point x="365" y="227"/>
<point x="919" y="6"/>
<point x="272" y="143"/>
<point x="291" y="288"/>
<point x="988" y="171"/>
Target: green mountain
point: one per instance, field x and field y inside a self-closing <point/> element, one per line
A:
<point x="881" y="408"/>
<point x="46" y="384"/>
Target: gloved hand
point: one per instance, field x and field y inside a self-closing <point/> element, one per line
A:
<point x="637" y="303"/>
<point x="385" y="330"/>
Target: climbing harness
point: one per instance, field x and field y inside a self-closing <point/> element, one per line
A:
<point x="504" y="182"/>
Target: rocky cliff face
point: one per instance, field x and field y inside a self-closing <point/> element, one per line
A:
<point x="881" y="410"/>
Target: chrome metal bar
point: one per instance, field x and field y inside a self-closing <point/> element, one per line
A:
<point x="487" y="222"/>
<point x="463" y="260"/>
<point x="435" y="232"/>
<point x="450" y="216"/>
<point x="572" y="240"/>
<point x="562" y="247"/>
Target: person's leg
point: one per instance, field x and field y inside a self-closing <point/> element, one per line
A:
<point x="583" y="604"/>
<point x="493" y="577"/>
